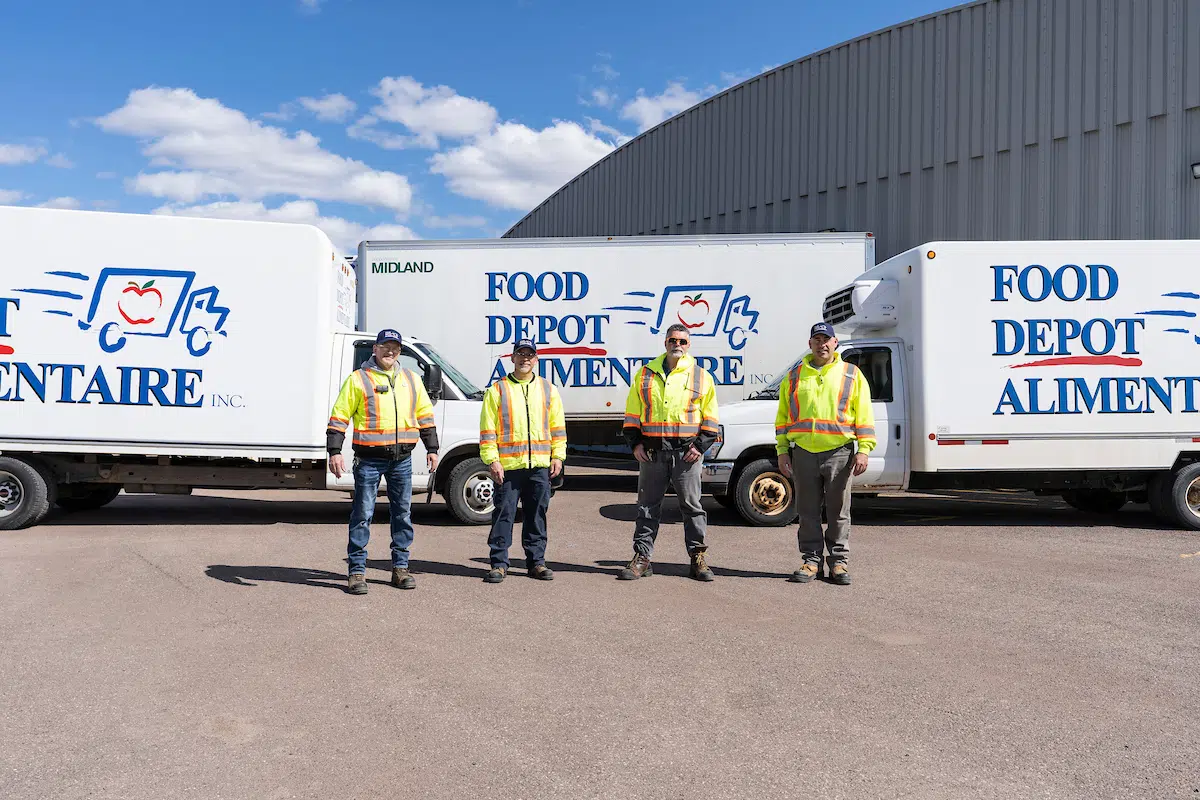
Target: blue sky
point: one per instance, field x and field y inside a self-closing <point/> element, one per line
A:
<point x="367" y="118"/>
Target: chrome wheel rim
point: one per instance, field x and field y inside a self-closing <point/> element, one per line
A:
<point x="770" y="494"/>
<point x="479" y="493"/>
<point x="1193" y="497"/>
<point x="11" y="493"/>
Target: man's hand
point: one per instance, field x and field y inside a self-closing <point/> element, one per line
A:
<point x="785" y="465"/>
<point x="692" y="455"/>
<point x="639" y="452"/>
<point x="431" y="459"/>
<point x="860" y="463"/>
<point x="337" y="465"/>
<point x="555" y="467"/>
<point x="497" y="471"/>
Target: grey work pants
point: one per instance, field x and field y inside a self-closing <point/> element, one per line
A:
<point x="823" y="479"/>
<point x="668" y="465"/>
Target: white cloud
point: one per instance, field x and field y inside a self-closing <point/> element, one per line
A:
<point x="429" y="113"/>
<point x="210" y="150"/>
<point x="286" y="112"/>
<point x="517" y="167"/>
<point x="602" y="97"/>
<point x="311" y="6"/>
<point x="13" y="154"/>
<point x="61" y="161"/>
<point x="344" y="233"/>
<point x="599" y="128"/>
<point x="606" y="71"/>
<point x="60" y="202"/>
<point x="10" y="197"/>
<point x="330" y="108"/>
<point x="454" y="221"/>
<point x="649" y="110"/>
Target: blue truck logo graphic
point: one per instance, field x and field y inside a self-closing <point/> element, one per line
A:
<point x="708" y="310"/>
<point x="139" y="302"/>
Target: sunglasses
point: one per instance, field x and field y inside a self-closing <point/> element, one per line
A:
<point x="673" y="340"/>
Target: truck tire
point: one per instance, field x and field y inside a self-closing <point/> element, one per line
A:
<point x="1095" y="501"/>
<point x="26" y="493"/>
<point x="470" y="492"/>
<point x="88" y="500"/>
<point x="1158" y="495"/>
<point x="764" y="497"/>
<point x="1183" y="499"/>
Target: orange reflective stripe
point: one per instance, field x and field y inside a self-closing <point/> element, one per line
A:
<point x="648" y="393"/>
<point x="371" y="423"/>
<point x="338" y="424"/>
<point x="504" y="421"/>
<point x="846" y="391"/>
<point x="370" y="439"/>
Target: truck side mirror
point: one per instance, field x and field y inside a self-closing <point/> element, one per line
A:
<point x="433" y="382"/>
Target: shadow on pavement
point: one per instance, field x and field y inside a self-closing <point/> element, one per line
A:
<point x="677" y="570"/>
<point x="252" y="576"/>
<point x="517" y="561"/>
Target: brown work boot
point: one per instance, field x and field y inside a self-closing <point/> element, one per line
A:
<point x="639" y="567"/>
<point x="700" y="570"/>
<point x="403" y="579"/>
<point x="356" y="584"/>
<point x="807" y="572"/>
<point x="839" y="573"/>
<point x="542" y="573"/>
<point x="495" y="574"/>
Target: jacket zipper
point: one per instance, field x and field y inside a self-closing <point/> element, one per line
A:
<point x="528" y="427"/>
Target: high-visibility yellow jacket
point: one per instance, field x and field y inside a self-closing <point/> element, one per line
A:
<point x="522" y="424"/>
<point x="675" y="408"/>
<point x="388" y="410"/>
<point x="821" y="408"/>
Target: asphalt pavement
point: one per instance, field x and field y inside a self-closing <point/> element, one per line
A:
<point x="991" y="646"/>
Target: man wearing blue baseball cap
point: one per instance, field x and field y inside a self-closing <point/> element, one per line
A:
<point x="390" y="410"/>
<point x="824" y="428"/>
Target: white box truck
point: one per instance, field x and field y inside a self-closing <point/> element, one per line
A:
<point x="161" y="354"/>
<point x="598" y="308"/>
<point x="1061" y="367"/>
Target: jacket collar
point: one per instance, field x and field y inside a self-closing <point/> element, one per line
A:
<point x="659" y="364"/>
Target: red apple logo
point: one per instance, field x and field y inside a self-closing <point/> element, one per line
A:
<point x="692" y="301"/>
<point x="143" y="303"/>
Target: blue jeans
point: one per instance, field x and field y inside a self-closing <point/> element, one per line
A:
<point x="367" y="472"/>
<point x="532" y="488"/>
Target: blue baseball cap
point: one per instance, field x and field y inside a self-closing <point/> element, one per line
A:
<point x="822" y="328"/>
<point x="524" y="344"/>
<point x="388" y="335"/>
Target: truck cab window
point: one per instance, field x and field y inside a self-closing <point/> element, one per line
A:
<point x="876" y="364"/>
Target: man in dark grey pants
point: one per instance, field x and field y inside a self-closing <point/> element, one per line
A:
<point x="824" y="429"/>
<point x="670" y="420"/>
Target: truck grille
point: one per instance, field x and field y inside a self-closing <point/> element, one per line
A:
<point x="838" y="307"/>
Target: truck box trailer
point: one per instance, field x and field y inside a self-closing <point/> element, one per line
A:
<point x="1062" y="367"/>
<point x="598" y="308"/>
<point x="161" y="354"/>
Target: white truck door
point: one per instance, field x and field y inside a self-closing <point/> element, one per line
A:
<point x="881" y="362"/>
<point x="347" y="358"/>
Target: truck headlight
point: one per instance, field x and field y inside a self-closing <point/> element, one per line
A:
<point x="715" y="447"/>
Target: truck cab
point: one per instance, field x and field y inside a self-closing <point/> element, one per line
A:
<point x="743" y="473"/>
<point x="461" y="476"/>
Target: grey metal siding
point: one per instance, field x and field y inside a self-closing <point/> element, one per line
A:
<point x="1005" y="119"/>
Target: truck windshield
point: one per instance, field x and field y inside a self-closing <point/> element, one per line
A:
<point x="470" y="390"/>
<point x="771" y="392"/>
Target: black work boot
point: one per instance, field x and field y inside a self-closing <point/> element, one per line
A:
<point x="639" y="567"/>
<point x="496" y="574"/>
<point x="700" y="570"/>
<point x="403" y="579"/>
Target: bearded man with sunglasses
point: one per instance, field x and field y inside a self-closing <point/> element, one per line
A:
<point x="670" y="420"/>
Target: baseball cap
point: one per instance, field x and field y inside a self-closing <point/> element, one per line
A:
<point x="524" y="343"/>
<point x="822" y="328"/>
<point x="388" y="335"/>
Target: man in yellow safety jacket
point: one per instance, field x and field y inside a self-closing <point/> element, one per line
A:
<point x="390" y="409"/>
<point x="824" y="428"/>
<point x="670" y="420"/>
<point x="523" y="440"/>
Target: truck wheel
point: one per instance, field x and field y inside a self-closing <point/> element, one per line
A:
<point x="764" y="496"/>
<point x="1158" y="495"/>
<point x="1095" y="501"/>
<point x="470" y="492"/>
<point x="26" y="493"/>
<point x="89" y="499"/>
<point x="1183" y="498"/>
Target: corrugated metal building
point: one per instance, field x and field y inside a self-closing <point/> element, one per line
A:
<point x="998" y="119"/>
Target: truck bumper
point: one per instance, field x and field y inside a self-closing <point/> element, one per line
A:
<point x="714" y="477"/>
